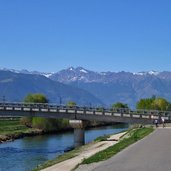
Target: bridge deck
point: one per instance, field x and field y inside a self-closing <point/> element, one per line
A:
<point x="82" y="113"/>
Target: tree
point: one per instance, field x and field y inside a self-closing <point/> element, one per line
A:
<point x="36" y="98"/>
<point x="153" y="104"/>
<point x="120" y="105"/>
<point x="36" y="122"/>
<point x="145" y="103"/>
<point x="45" y="124"/>
<point x="160" y="104"/>
<point x="71" y="104"/>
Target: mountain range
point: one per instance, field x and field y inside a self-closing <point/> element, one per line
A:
<point x="86" y="87"/>
<point x="15" y="86"/>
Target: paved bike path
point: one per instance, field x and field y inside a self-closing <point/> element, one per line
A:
<point x="153" y="153"/>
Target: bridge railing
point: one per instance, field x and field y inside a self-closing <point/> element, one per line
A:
<point x="84" y="108"/>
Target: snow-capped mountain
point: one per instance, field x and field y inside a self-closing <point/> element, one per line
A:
<point x="83" y="75"/>
<point x="147" y="73"/>
<point x="107" y="87"/>
<point x="24" y="71"/>
<point x="72" y="74"/>
<point x="121" y="86"/>
<point x="15" y="85"/>
<point x="75" y="74"/>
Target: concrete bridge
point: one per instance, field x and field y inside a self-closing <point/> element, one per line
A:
<point x="79" y="116"/>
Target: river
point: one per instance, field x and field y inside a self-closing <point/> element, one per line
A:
<point x="25" y="154"/>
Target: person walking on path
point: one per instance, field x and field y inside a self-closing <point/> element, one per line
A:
<point x="163" y="121"/>
<point x="156" y="122"/>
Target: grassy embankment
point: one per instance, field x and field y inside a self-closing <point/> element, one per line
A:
<point x="68" y="155"/>
<point x="131" y="137"/>
<point x="12" y="129"/>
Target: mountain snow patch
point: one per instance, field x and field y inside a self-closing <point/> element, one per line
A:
<point x="84" y="71"/>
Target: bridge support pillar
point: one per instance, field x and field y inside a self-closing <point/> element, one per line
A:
<point x="79" y="129"/>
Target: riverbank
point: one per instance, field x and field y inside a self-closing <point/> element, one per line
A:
<point x="11" y="129"/>
<point x="13" y="136"/>
<point x="70" y="160"/>
<point x="91" y="151"/>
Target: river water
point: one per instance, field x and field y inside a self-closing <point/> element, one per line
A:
<point x="25" y="154"/>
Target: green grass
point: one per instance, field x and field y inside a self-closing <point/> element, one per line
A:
<point x="134" y="136"/>
<point x="11" y="126"/>
<point x="63" y="157"/>
<point x="102" y="138"/>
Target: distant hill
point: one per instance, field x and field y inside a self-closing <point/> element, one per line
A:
<point x="112" y="87"/>
<point x="15" y="86"/>
<point x="86" y="87"/>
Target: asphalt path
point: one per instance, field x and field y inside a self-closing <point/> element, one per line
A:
<point x="153" y="153"/>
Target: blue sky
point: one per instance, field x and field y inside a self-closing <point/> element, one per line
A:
<point x="100" y="35"/>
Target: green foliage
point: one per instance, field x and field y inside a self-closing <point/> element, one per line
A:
<point x="45" y="124"/>
<point x="27" y="121"/>
<point x="160" y="104"/>
<point x="71" y="104"/>
<point x="35" y="122"/>
<point x="35" y="98"/>
<point x="50" y="124"/>
<point x="153" y="103"/>
<point x="63" y="123"/>
<point x="42" y="123"/>
<point x="109" y="152"/>
<point x="120" y="105"/>
<point x="145" y="103"/>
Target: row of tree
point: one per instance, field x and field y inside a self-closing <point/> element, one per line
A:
<point x="153" y="103"/>
<point x="48" y="124"/>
